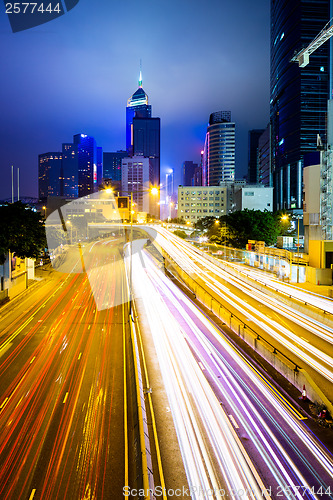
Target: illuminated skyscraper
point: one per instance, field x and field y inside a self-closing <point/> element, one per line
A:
<point x="298" y="95"/>
<point x="143" y="133"/>
<point x="137" y="105"/>
<point x="219" y="150"/>
<point x="70" y="170"/>
<point x="50" y="175"/>
<point x="89" y="176"/>
<point x="112" y="165"/>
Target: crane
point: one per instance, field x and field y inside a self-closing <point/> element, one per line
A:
<point x="303" y="56"/>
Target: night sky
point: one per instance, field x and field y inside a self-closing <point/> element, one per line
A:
<point x="75" y="74"/>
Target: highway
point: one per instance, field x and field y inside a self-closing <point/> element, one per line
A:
<point x="305" y="340"/>
<point x="238" y="435"/>
<point x="63" y="426"/>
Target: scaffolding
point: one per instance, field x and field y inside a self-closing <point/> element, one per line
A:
<point x="326" y="193"/>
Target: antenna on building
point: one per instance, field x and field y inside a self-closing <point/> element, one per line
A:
<point x="140" y="77"/>
<point x="18" y="184"/>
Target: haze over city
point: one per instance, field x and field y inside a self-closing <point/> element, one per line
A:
<point x="75" y="74"/>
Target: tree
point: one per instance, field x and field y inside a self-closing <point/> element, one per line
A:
<point x="21" y="231"/>
<point x="238" y="227"/>
<point x="180" y="233"/>
<point x="205" y="223"/>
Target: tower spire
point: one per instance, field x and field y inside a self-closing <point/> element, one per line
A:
<point x="140" y="77"/>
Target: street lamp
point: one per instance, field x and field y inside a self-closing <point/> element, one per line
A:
<point x="70" y="225"/>
<point x="44" y="208"/>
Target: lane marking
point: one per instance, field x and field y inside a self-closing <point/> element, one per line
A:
<point x="202" y="366"/>
<point x="32" y="494"/>
<point x="4" y="403"/>
<point x="233" y="421"/>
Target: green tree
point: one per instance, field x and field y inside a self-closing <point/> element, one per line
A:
<point x="205" y="223"/>
<point x="238" y="227"/>
<point x="21" y="231"/>
<point x="180" y="233"/>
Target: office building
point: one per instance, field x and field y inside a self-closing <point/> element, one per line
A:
<point x="112" y="165"/>
<point x="137" y="105"/>
<point x="264" y="158"/>
<point x="194" y="203"/>
<point x="188" y="171"/>
<point x="298" y="95"/>
<point x="50" y="175"/>
<point x="137" y="172"/>
<point x="197" y="176"/>
<point x="219" y="150"/>
<point x="253" y="167"/>
<point x="146" y="143"/>
<point x="254" y="197"/>
<point x="70" y="170"/>
<point x="89" y="177"/>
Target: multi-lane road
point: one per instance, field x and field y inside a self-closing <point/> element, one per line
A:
<point x="238" y="435"/>
<point x="62" y="418"/>
<point x="307" y="341"/>
<point x="64" y="414"/>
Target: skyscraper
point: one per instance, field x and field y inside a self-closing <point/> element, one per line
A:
<point x="264" y="158"/>
<point x="219" y="150"/>
<point x="70" y="170"/>
<point x="188" y="171"/>
<point x="146" y="142"/>
<point x="253" y="170"/>
<point x="50" y="175"/>
<point x="89" y="177"/>
<point x="112" y="165"/>
<point x="136" y="175"/>
<point x="137" y="105"/>
<point x="298" y="95"/>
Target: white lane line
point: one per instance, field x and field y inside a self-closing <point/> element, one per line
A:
<point x="233" y="421"/>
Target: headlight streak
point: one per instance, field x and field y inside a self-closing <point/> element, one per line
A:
<point x="309" y="297"/>
<point x="262" y="444"/>
<point x="173" y="353"/>
<point x="262" y="322"/>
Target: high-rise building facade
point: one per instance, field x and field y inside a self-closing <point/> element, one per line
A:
<point x="136" y="174"/>
<point x="50" y="175"/>
<point x="219" y="150"/>
<point x="137" y="105"/>
<point x="188" y="171"/>
<point x="146" y="142"/>
<point x="89" y="177"/>
<point x="298" y="95"/>
<point x="253" y="170"/>
<point x="70" y="170"/>
<point x="112" y="165"/>
<point x="264" y="158"/>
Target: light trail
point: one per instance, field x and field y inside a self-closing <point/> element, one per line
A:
<point x="190" y="396"/>
<point x="284" y="443"/>
<point x="198" y="267"/>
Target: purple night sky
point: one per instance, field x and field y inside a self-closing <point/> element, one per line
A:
<point x="75" y="74"/>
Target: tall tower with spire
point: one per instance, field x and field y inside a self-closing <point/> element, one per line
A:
<point x="137" y="106"/>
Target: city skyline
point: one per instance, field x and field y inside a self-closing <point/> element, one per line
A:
<point x="60" y="82"/>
